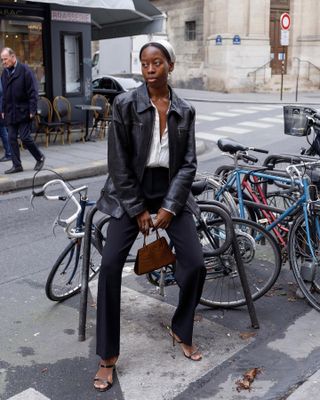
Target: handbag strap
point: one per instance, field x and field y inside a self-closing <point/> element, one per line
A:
<point x="145" y="236"/>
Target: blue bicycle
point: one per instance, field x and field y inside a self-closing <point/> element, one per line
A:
<point x="303" y="241"/>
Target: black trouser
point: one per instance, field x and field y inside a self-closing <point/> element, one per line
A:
<point x="190" y="274"/>
<point x="23" y="129"/>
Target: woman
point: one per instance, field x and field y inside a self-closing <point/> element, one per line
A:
<point x="152" y="164"/>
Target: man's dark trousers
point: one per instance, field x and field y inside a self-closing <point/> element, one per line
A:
<point x="23" y="130"/>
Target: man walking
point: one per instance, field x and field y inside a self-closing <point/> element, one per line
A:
<point x="19" y="106"/>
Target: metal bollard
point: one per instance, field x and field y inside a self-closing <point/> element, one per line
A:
<point x="85" y="275"/>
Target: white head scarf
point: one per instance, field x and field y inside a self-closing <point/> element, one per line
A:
<point x="165" y="45"/>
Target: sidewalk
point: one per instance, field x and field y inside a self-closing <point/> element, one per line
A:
<point x="78" y="160"/>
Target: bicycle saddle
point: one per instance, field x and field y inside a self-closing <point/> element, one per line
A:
<point x="230" y="146"/>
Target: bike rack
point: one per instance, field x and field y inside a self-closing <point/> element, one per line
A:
<point x="85" y="276"/>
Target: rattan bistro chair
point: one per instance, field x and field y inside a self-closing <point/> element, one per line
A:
<point x="102" y="117"/>
<point x="44" y="124"/>
<point x="62" y="108"/>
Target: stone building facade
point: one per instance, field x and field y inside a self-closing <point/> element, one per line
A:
<point x="235" y="45"/>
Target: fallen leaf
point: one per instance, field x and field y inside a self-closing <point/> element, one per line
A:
<point x="248" y="378"/>
<point x="247" y="335"/>
<point x="251" y="374"/>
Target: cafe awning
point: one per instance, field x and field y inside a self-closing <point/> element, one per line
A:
<point x="116" y="18"/>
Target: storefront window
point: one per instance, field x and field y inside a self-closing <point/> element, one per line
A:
<point x="25" y="38"/>
<point x="72" y="63"/>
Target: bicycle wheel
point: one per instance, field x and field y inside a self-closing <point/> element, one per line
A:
<point x="213" y="240"/>
<point x="262" y="263"/>
<point x="305" y="268"/>
<point x="100" y="235"/>
<point x="64" y="279"/>
<point x="100" y="232"/>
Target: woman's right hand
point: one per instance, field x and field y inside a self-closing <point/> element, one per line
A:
<point x="144" y="222"/>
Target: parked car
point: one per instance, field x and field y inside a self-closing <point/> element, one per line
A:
<point x="112" y="85"/>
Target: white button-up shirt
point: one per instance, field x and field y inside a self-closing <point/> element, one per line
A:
<point x="159" y="150"/>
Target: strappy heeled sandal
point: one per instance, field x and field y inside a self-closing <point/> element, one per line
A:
<point x="176" y="339"/>
<point x="107" y="384"/>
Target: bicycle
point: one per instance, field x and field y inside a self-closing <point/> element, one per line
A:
<point x="299" y="121"/>
<point x="304" y="233"/>
<point x="64" y="279"/>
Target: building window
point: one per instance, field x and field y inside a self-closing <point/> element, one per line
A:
<point x="72" y="63"/>
<point x="190" y="30"/>
<point x="25" y="38"/>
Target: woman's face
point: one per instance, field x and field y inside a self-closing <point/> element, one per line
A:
<point x="155" y="67"/>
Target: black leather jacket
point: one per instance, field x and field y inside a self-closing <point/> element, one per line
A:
<point x="129" y="140"/>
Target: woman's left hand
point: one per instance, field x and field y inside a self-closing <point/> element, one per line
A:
<point x="163" y="219"/>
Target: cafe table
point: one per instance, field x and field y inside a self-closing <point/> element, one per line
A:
<point x="87" y="108"/>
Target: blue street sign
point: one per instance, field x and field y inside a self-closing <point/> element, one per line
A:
<point x="236" y="39"/>
<point x="218" y="40"/>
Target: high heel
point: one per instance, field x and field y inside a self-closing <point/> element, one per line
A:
<point x="190" y="356"/>
<point x="107" y="384"/>
<point x="174" y="337"/>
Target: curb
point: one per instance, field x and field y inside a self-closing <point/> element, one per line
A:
<point x="68" y="173"/>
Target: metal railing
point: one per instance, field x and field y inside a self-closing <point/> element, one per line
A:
<point x="308" y="75"/>
<point x="263" y="70"/>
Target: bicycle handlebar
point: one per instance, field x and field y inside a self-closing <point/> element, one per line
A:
<point x="294" y="172"/>
<point x="259" y="150"/>
<point x="65" y="223"/>
<point x="248" y="157"/>
<point x="314" y="120"/>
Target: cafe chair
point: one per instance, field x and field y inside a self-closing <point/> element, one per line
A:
<point x="43" y="122"/>
<point x="102" y="117"/>
<point x="62" y="108"/>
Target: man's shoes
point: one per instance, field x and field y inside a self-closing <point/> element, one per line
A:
<point x="13" y="170"/>
<point x="39" y="164"/>
<point x="5" y="158"/>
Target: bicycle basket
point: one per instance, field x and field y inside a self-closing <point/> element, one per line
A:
<point x="296" y="122"/>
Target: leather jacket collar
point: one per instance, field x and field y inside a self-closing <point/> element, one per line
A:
<point x="143" y="100"/>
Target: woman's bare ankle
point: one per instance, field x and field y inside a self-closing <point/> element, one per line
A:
<point x="109" y="361"/>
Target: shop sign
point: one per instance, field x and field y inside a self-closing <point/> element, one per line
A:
<point x="68" y="16"/>
<point x="7" y="12"/>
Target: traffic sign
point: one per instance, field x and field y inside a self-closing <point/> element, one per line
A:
<point x="285" y="21"/>
<point x="284" y="37"/>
